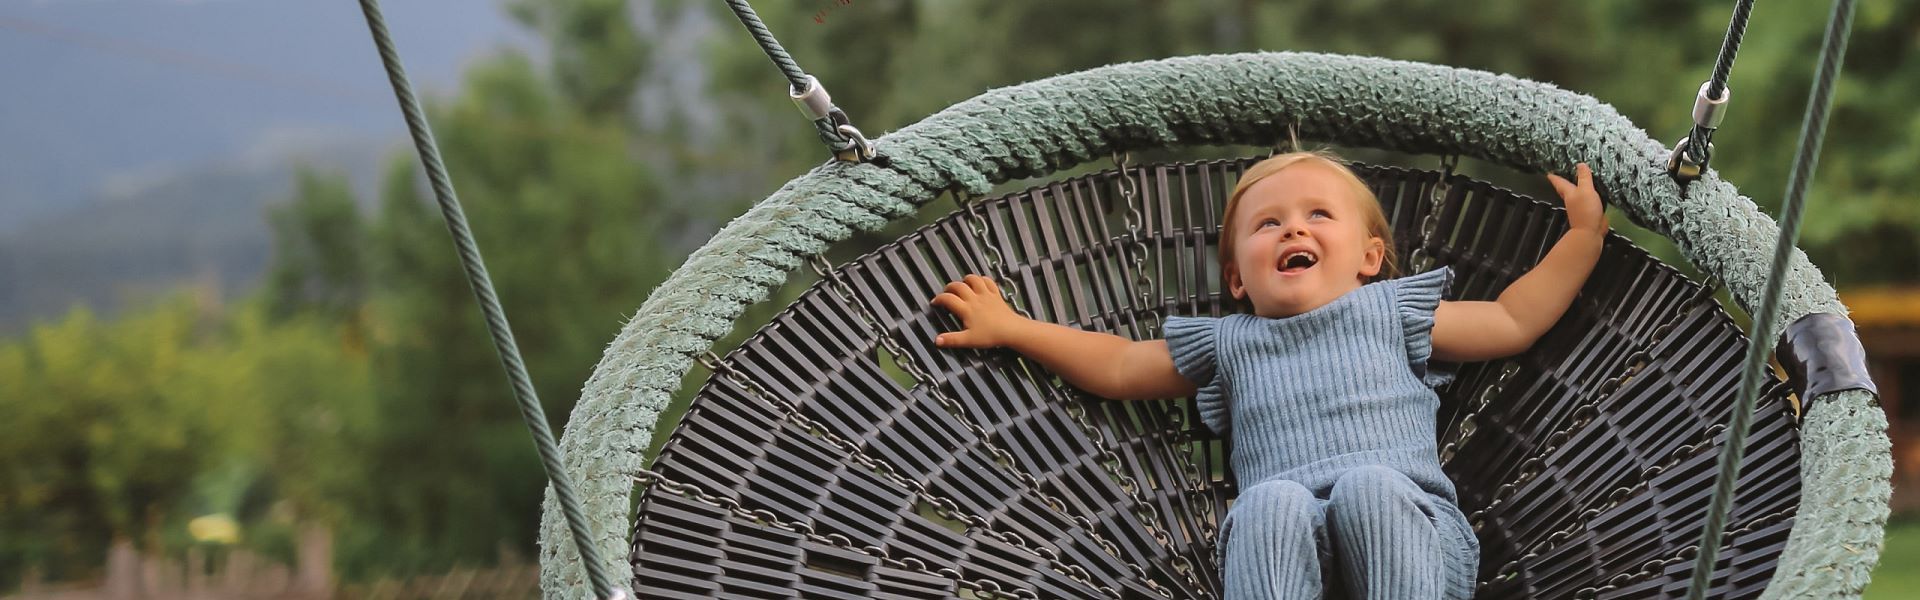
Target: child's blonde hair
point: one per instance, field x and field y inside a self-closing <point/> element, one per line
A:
<point x="1369" y="204"/>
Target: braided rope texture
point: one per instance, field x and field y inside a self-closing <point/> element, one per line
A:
<point x="1044" y="126"/>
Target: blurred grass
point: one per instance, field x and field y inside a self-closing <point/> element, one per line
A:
<point x="1898" y="576"/>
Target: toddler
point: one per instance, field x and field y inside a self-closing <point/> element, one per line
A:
<point x="1324" y="379"/>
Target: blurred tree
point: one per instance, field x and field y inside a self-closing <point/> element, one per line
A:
<point x="94" y="449"/>
<point x="1862" y="224"/>
<point x="597" y="57"/>
<point x="129" y="428"/>
<point x="319" y="251"/>
<point x="571" y="224"/>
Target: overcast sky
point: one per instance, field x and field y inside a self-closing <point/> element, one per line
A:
<point x="102" y="93"/>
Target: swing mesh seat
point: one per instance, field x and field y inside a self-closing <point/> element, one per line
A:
<point x="838" y="454"/>
<point x="1585" y="463"/>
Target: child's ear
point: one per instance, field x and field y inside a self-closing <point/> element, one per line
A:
<point x="1234" y="286"/>
<point x="1376" y="253"/>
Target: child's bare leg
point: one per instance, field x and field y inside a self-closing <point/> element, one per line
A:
<point x="1391" y="539"/>
<point x="1276" y="543"/>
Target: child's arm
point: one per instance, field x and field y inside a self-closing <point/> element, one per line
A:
<point x="1473" y="331"/>
<point x="1105" y="365"/>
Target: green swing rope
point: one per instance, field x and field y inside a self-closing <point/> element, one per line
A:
<point x="798" y="78"/>
<point x="1700" y="138"/>
<point x="1812" y="128"/>
<point x="530" y="410"/>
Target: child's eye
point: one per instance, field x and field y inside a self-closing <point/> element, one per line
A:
<point x="1267" y="222"/>
<point x="1321" y="212"/>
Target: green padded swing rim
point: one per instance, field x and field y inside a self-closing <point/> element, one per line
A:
<point x="1045" y="126"/>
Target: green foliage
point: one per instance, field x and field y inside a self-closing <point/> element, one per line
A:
<point x="127" y="429"/>
<point x="597" y="56"/>
<point x="318" y="251"/>
<point x="572" y="228"/>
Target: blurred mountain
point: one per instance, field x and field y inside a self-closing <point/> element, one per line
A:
<point x="151" y="136"/>
<point x="140" y="141"/>
<point x="204" y="224"/>
<point x="97" y="91"/>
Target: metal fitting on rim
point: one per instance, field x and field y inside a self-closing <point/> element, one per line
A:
<point x="1683" y="167"/>
<point x="1707" y="111"/>
<point x="858" y="149"/>
<point x="620" y="594"/>
<point x="814" y="102"/>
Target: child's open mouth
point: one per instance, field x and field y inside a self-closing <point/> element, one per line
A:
<point x="1298" y="261"/>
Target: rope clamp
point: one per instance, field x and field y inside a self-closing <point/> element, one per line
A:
<point x="1709" y="111"/>
<point x="817" y="104"/>
<point x="814" y="102"/>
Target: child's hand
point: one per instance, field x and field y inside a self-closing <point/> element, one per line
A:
<point x="987" y="318"/>
<point x="1584" y="212"/>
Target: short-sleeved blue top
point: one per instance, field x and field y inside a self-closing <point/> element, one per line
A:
<point x="1340" y="386"/>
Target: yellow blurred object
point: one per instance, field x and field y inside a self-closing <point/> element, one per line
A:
<point x="218" y="529"/>
<point x="1883" y="306"/>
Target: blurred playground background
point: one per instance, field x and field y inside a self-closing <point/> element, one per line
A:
<point x="238" y="358"/>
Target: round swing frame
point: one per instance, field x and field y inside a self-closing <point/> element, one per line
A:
<point x="1049" y="125"/>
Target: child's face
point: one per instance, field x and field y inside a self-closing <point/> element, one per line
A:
<point x="1308" y="210"/>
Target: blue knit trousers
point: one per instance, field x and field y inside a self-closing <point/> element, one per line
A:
<point x="1376" y="535"/>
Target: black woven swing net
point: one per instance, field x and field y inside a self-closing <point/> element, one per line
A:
<point x="838" y="453"/>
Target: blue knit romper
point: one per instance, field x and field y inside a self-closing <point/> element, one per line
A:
<point x="1333" y="421"/>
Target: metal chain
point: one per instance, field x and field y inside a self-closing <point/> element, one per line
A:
<point x="1639" y="359"/>
<point x="1074" y="406"/>
<point x="1135" y="221"/>
<point x="1701" y="443"/>
<point x="1136" y="239"/>
<point x="1657" y="566"/>
<point x="1480" y="402"/>
<point x="1420" y="260"/>
<point x="944" y="507"/>
<point x="985" y="588"/>
<point x="1636" y="361"/>
<point x="1183" y="440"/>
<point x="1582" y="415"/>
<point x="1144" y="509"/>
<point x="905" y="362"/>
<point x="996" y="262"/>
<point x="1198" y="496"/>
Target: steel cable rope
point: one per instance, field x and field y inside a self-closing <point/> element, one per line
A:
<point x="836" y="131"/>
<point x="1813" y="127"/>
<point x="1710" y="104"/>
<point x="530" y="410"/>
